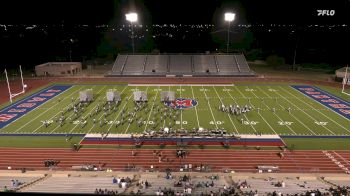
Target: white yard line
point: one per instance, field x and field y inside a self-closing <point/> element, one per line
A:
<point x="290" y="113"/>
<point x="270" y="108"/>
<point x="211" y="111"/>
<point x="83" y="117"/>
<point x="88" y="113"/>
<point x="113" y="121"/>
<point x="49" y="119"/>
<point x="101" y="114"/>
<point x="268" y="124"/>
<point x="297" y="119"/>
<point x="317" y="110"/>
<point x="119" y="114"/>
<point x="227" y="114"/>
<point x="150" y="113"/>
<point x="181" y="109"/>
<point x="120" y="111"/>
<point x="127" y="128"/>
<point x="195" y="108"/>
<point x="46" y="110"/>
<point x="243" y="114"/>
<point x="303" y="111"/>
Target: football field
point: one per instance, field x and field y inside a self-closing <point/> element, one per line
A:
<point x="248" y="109"/>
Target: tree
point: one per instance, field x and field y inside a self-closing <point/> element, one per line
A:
<point x="275" y="61"/>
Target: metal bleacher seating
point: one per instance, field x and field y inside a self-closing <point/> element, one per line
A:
<point x="134" y="64"/>
<point x="242" y="63"/>
<point x="119" y="64"/>
<point x="227" y="64"/>
<point x="160" y="183"/>
<point x="156" y="64"/>
<point x="85" y="185"/>
<point x="204" y="64"/>
<point x="181" y="64"/>
<point x="6" y="181"/>
<point x="292" y="186"/>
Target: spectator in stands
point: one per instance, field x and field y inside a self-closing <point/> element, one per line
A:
<point x="127" y="179"/>
<point x="114" y="181"/>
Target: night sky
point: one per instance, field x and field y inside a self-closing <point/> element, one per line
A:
<point x="62" y="20"/>
<point x="172" y="11"/>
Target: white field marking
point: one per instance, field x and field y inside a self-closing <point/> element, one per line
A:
<point x="101" y="114"/>
<point x="27" y="98"/>
<point x="150" y="113"/>
<point x="120" y="111"/>
<point x="303" y="111"/>
<point x="51" y="118"/>
<point x="227" y="114"/>
<point x="195" y="108"/>
<point x="243" y="114"/>
<point x="273" y="112"/>
<point x="129" y="124"/>
<point x="114" y="119"/>
<point x="268" y="124"/>
<point x="46" y="110"/>
<point x="296" y="118"/>
<point x="345" y="160"/>
<point x="317" y="110"/>
<point x="181" y="84"/>
<point x="181" y="110"/>
<point x="90" y="111"/>
<point x="73" y="114"/>
<point x="211" y="111"/>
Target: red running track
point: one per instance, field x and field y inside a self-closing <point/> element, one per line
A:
<point x="118" y="159"/>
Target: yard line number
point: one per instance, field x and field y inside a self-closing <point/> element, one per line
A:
<point x="321" y="123"/>
<point x="283" y="123"/>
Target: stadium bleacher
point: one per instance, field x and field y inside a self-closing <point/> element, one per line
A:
<point x="291" y="186"/>
<point x="6" y="181"/>
<point x="74" y="185"/>
<point x="156" y="64"/>
<point x="180" y="65"/>
<point x="134" y="64"/>
<point x="204" y="63"/>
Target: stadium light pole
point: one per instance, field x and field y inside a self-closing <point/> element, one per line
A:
<point x="229" y="16"/>
<point x="132" y="17"/>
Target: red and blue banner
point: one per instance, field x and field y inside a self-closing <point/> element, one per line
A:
<point x="22" y="107"/>
<point x="334" y="103"/>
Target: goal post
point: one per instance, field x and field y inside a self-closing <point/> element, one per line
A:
<point x="24" y="86"/>
<point x="346" y="82"/>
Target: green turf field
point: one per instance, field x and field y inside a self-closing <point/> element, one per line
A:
<point x="307" y="117"/>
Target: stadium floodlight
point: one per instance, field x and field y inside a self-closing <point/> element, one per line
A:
<point x="132" y="17"/>
<point x="229" y="16"/>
